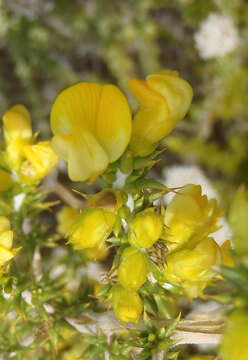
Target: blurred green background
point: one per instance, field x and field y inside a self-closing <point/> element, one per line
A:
<point x="46" y="45"/>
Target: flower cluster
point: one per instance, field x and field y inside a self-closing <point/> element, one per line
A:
<point x="92" y="123"/>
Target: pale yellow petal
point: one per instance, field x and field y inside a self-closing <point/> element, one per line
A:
<point x="6" y="239"/>
<point x="113" y="126"/>
<point x="76" y="108"/>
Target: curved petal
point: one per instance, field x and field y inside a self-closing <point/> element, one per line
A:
<point x="177" y="92"/>
<point x="113" y="125"/>
<point x="76" y="108"/>
<point x="86" y="157"/>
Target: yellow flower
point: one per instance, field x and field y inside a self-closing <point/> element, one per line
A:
<point x="192" y="268"/>
<point x="234" y="341"/>
<point x="190" y="217"/>
<point x="6" y="241"/>
<point x="92" y="128"/>
<point x="238" y="215"/>
<point x="109" y="199"/>
<point x="17" y="132"/>
<point x="65" y="218"/>
<point x="165" y="99"/>
<point x="91" y="228"/>
<point x="133" y="269"/>
<point x="145" y="228"/>
<point x="127" y="305"/>
<point x="40" y="159"/>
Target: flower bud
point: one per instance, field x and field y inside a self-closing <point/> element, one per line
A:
<point x="127" y="305"/>
<point x="91" y="228"/>
<point x="133" y="269"/>
<point x="40" y="160"/>
<point x="17" y="132"/>
<point x="189" y="217"/>
<point x="145" y="228"/>
<point x="238" y="216"/>
<point x="164" y="98"/>
<point x="66" y="216"/>
<point x="192" y="268"/>
<point x="6" y="241"/>
<point x="234" y="340"/>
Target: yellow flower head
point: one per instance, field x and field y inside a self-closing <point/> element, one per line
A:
<point x="234" y="341"/>
<point x="192" y="268"/>
<point x="109" y="199"/>
<point x="17" y="132"/>
<point x="6" y="240"/>
<point x="65" y="218"/>
<point x="92" y="128"/>
<point x="127" y="305"/>
<point x="40" y="159"/>
<point x="190" y="217"/>
<point x="164" y="98"/>
<point x="145" y="228"/>
<point x="133" y="270"/>
<point x="91" y="228"/>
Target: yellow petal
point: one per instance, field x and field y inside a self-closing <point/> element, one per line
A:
<point x="177" y="92"/>
<point x="6" y="239"/>
<point x="113" y="125"/>
<point x="86" y="157"/>
<point x="40" y="160"/>
<point x="17" y="123"/>
<point x="5" y="255"/>
<point x="17" y="132"/>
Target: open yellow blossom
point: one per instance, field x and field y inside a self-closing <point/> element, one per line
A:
<point x="40" y="159"/>
<point x="234" y="341"/>
<point x="92" y="128"/>
<point x="133" y="269"/>
<point x="66" y="216"/>
<point x="17" y="132"/>
<point x="190" y="217"/>
<point x="91" y="228"/>
<point x="127" y="305"/>
<point x="164" y="98"/>
<point x="145" y="228"/>
<point x="6" y="241"/>
<point x="193" y="268"/>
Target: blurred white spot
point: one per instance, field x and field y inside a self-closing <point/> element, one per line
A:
<point x="18" y="199"/>
<point x="49" y="308"/>
<point x="217" y="36"/>
<point x="27" y="297"/>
